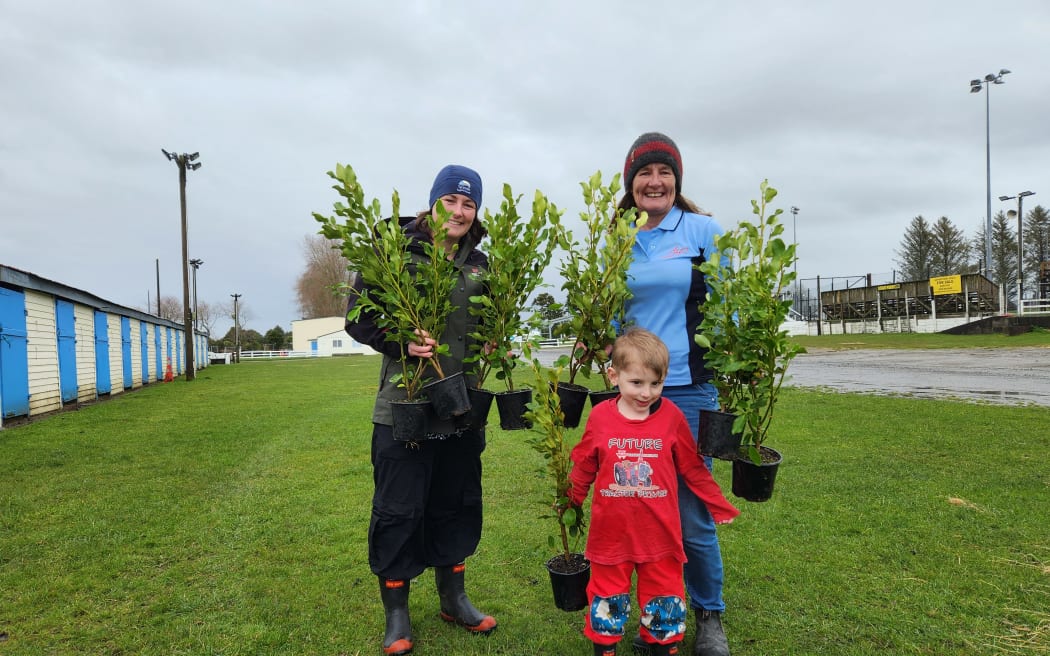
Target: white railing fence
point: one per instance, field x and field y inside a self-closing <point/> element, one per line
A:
<point x="1034" y="306"/>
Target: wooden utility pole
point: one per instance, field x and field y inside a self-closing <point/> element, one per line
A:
<point x="236" y="330"/>
<point x="185" y="161"/>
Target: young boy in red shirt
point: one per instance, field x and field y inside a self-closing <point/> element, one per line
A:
<point x="633" y="449"/>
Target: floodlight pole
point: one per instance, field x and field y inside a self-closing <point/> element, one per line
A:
<point x="794" y="240"/>
<point x="196" y="264"/>
<point x="1020" y="251"/>
<point x="185" y="161"/>
<point x="975" y="87"/>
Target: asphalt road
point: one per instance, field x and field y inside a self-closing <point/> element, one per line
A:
<point x="1012" y="376"/>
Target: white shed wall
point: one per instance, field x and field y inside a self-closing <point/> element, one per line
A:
<point x="116" y="359"/>
<point x="306" y="330"/>
<point x="84" y="322"/>
<point x="339" y="343"/>
<point x="136" y="354"/>
<point x="45" y="393"/>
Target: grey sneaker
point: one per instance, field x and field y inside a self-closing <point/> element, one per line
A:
<point x="710" y="638"/>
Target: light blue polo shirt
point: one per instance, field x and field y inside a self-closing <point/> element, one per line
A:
<point x="668" y="288"/>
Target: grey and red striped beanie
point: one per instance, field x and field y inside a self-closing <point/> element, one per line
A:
<point x="652" y="148"/>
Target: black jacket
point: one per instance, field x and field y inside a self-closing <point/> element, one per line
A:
<point x="469" y="263"/>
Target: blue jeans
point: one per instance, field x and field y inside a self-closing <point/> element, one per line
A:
<point x="703" y="571"/>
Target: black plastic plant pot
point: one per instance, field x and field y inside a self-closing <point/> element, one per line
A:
<point x="480" y="405"/>
<point x="411" y="420"/>
<point x="753" y="482"/>
<point x="448" y="396"/>
<point x="512" y="407"/>
<point x="572" y="398"/>
<point x="716" y="437"/>
<point x="569" y="581"/>
<point x="597" y="396"/>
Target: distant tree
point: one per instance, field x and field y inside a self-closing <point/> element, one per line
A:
<point x="243" y="313"/>
<point x="251" y="340"/>
<point x="1036" y="245"/>
<point x="915" y="256"/>
<point x="978" y="248"/>
<point x="171" y="309"/>
<point x="949" y="250"/>
<point x="318" y="288"/>
<point x="277" y="339"/>
<point x="1004" y="253"/>
<point x="547" y="307"/>
<point x="207" y="313"/>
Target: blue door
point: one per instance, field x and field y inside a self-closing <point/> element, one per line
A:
<point x="156" y="353"/>
<point x="14" y="354"/>
<point x="167" y="333"/>
<point x="65" y="331"/>
<point x="178" y="353"/>
<point x="144" y="335"/>
<point x="102" y="382"/>
<point x="125" y="350"/>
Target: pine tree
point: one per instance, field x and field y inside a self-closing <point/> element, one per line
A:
<point x="1004" y="254"/>
<point x="916" y="250"/>
<point x="1036" y="246"/>
<point x="950" y="252"/>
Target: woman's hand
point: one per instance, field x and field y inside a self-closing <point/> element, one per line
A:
<point x="424" y="346"/>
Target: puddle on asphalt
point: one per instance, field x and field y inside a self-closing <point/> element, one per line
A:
<point x="1005" y="376"/>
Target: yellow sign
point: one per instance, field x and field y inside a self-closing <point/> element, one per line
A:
<point x="946" y="285"/>
<point x="886" y="288"/>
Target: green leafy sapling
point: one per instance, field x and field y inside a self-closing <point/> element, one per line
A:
<point x="406" y="298"/>
<point x="744" y="312"/>
<point x="549" y="440"/>
<point x="519" y="251"/>
<point x="594" y="276"/>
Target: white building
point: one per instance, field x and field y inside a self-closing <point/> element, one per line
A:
<point x="325" y="337"/>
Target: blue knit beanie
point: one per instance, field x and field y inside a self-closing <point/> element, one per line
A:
<point x="456" y="179"/>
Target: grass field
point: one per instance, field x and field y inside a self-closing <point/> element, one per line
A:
<point x="229" y="516"/>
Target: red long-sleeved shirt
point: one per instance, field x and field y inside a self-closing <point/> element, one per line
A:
<point x="634" y="465"/>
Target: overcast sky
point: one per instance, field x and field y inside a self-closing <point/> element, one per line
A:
<point x="859" y="113"/>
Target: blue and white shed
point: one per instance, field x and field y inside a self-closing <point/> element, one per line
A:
<point x="60" y="345"/>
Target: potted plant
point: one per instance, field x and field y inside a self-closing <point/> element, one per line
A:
<point x="595" y="282"/>
<point x="405" y="296"/>
<point x="748" y="349"/>
<point x="569" y="570"/>
<point x="519" y="251"/>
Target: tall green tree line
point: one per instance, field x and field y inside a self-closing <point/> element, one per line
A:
<point x="940" y="248"/>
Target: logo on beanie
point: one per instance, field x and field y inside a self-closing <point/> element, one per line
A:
<point x="463" y="188"/>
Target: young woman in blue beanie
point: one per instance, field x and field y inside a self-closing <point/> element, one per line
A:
<point x="667" y="290"/>
<point x="426" y="508"/>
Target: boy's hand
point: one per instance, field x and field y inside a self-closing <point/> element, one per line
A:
<point x="725" y="521"/>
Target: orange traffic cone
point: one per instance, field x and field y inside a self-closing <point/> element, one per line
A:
<point x="168" y="375"/>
